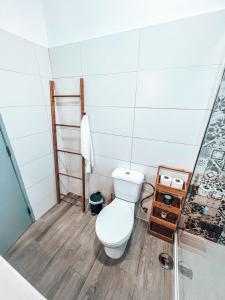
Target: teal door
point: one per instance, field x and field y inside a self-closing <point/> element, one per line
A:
<point x="14" y="215"/>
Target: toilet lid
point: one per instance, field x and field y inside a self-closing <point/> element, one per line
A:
<point x="114" y="223"/>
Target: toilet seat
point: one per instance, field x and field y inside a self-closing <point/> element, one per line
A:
<point x="114" y="223"/>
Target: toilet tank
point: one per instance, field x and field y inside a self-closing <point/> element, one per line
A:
<point x="127" y="184"/>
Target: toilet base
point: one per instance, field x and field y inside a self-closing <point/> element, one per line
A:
<point x="115" y="252"/>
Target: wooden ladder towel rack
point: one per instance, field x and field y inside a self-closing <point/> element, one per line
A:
<point x="55" y="144"/>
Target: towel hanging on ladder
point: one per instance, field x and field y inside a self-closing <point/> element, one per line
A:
<point x="86" y="144"/>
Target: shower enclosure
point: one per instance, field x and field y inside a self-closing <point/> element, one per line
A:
<point x="199" y="249"/>
<point x="202" y="275"/>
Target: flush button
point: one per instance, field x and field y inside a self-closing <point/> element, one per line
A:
<point x="127" y="173"/>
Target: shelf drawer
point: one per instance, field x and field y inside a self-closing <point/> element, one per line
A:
<point x="163" y="223"/>
<point x="161" y="232"/>
<point x="176" y="203"/>
<point x="170" y="190"/>
<point x="171" y="217"/>
<point x="168" y="208"/>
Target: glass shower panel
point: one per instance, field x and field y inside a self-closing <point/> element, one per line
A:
<point x="201" y="256"/>
<point x="202" y="276"/>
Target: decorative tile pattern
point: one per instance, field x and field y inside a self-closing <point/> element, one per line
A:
<point x="204" y="210"/>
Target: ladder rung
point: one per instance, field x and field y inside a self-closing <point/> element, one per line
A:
<point x="65" y="125"/>
<point x="71" y="196"/>
<point x="70" y="152"/>
<point x="66" y="96"/>
<point x="67" y="175"/>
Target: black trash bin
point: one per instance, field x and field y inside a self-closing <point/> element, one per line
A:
<point x="96" y="201"/>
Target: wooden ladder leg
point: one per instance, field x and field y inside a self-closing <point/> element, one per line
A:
<point x="54" y="136"/>
<point x="83" y="160"/>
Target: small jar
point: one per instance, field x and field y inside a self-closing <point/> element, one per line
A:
<point x="168" y="199"/>
<point x="163" y="214"/>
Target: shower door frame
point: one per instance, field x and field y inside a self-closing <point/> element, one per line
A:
<point x="16" y="168"/>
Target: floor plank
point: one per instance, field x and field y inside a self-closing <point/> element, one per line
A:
<point x="61" y="256"/>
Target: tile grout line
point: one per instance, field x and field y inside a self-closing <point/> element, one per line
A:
<point x="135" y="97"/>
<point x="40" y="180"/>
<point x="108" y="106"/>
<point x="35" y="159"/>
<point x="42" y="88"/>
<point x="138" y="70"/>
<point x="148" y="107"/>
<point x="143" y="138"/>
<point x="29" y="135"/>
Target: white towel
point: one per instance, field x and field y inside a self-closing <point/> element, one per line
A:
<point x="86" y="144"/>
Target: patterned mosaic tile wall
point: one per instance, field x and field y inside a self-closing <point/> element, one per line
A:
<point x="204" y="210"/>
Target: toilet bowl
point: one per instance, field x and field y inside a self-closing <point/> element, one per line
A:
<point x="115" y="222"/>
<point x="114" y="226"/>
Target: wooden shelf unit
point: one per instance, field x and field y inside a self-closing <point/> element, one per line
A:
<point x="164" y="228"/>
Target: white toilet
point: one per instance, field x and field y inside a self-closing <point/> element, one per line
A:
<point x="115" y="222"/>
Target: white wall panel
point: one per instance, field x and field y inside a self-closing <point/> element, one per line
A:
<point x="42" y="195"/>
<point x="32" y="147"/>
<point x="43" y="61"/>
<point x="38" y="169"/>
<point x="111" y="120"/>
<point x="100" y="183"/>
<point x="188" y="88"/>
<point x="23" y="121"/>
<point x="167" y="74"/>
<point x="17" y="54"/>
<point x="105" y="165"/>
<point x="193" y="41"/>
<point x="66" y="60"/>
<point x="172" y="125"/>
<point x="110" y="54"/>
<point x="24" y="102"/>
<point x="111" y="89"/>
<point x="20" y="90"/>
<point x="113" y="146"/>
<point x="156" y="153"/>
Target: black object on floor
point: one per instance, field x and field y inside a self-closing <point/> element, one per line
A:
<point x="96" y="201"/>
<point x="166" y="261"/>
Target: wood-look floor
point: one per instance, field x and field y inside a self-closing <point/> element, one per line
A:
<point x="61" y="256"/>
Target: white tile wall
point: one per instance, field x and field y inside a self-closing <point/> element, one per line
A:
<point x="69" y="139"/>
<point x="17" y="54"/>
<point x="37" y="170"/>
<point x="113" y="146"/>
<point x="20" y="89"/>
<point x="149" y="172"/>
<point x="188" y="88"/>
<point x="25" y="120"/>
<point x="105" y="165"/>
<point x="148" y="93"/>
<point x="24" y="105"/>
<point x="26" y="149"/>
<point x="172" y="125"/>
<point x="197" y="40"/>
<point x="111" y="120"/>
<point x="66" y="60"/>
<point x="67" y="85"/>
<point x="111" y="90"/>
<point x="43" y="61"/>
<point x="42" y="195"/>
<point x="156" y="153"/>
<point x="67" y="111"/>
<point x="114" y="53"/>
<point x="100" y="183"/>
<point x="45" y="89"/>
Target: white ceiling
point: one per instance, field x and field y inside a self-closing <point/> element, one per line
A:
<point x="74" y="20"/>
<point x="24" y="18"/>
<point x="57" y="22"/>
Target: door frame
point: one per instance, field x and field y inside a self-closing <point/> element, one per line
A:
<point x="16" y="169"/>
